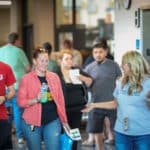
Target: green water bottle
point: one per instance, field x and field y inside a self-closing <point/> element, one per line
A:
<point x="44" y="88"/>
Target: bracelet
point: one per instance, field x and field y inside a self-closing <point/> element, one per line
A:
<point x="34" y="101"/>
<point x="37" y="99"/>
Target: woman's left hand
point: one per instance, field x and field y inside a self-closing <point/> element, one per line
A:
<point x="81" y="77"/>
<point x="88" y="108"/>
<point x="85" y="79"/>
<point x="66" y="128"/>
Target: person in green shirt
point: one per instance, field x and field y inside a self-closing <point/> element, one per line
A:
<point x="13" y="55"/>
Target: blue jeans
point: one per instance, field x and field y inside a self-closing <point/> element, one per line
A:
<point x="50" y="133"/>
<point x="17" y="112"/>
<point x="127" y="142"/>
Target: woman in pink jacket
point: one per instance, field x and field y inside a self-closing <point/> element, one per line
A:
<point x="44" y="109"/>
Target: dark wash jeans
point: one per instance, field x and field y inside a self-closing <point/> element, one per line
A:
<point x="5" y="135"/>
<point x="128" y="142"/>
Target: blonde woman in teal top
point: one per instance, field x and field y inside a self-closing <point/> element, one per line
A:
<point x="132" y="99"/>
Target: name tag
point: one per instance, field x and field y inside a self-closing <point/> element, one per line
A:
<point x="126" y="123"/>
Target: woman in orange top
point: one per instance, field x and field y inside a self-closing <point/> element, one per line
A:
<point x="44" y="111"/>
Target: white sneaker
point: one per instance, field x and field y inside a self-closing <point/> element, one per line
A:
<point x="108" y="141"/>
<point x="20" y="141"/>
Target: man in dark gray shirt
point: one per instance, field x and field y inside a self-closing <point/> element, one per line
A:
<point x="104" y="73"/>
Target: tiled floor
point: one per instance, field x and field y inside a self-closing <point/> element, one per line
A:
<point x="84" y="135"/>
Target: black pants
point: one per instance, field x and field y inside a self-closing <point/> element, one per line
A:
<point x="5" y="135"/>
<point x="74" y="120"/>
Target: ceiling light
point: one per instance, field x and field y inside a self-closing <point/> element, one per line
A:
<point x="5" y="3"/>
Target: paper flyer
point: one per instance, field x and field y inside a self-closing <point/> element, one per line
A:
<point x="75" y="134"/>
<point x="73" y="75"/>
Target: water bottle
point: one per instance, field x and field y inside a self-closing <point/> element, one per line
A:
<point x="43" y="91"/>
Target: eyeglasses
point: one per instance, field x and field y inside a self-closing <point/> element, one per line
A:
<point x="41" y="50"/>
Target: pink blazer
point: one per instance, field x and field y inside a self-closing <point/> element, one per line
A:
<point x="29" y="88"/>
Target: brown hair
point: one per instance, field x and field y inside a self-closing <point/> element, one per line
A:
<point x="38" y="51"/>
<point x="67" y="44"/>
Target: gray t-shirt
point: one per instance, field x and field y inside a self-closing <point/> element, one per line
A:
<point x="104" y="79"/>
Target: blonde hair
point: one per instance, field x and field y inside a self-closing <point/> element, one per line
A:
<point x="61" y="54"/>
<point x="138" y="69"/>
<point x="65" y="51"/>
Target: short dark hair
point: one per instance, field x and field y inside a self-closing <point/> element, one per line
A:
<point x="12" y="37"/>
<point x="47" y="46"/>
<point x="101" y="45"/>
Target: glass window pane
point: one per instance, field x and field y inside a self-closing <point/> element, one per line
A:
<point x="65" y="35"/>
<point x="64" y="12"/>
<point x="98" y="18"/>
